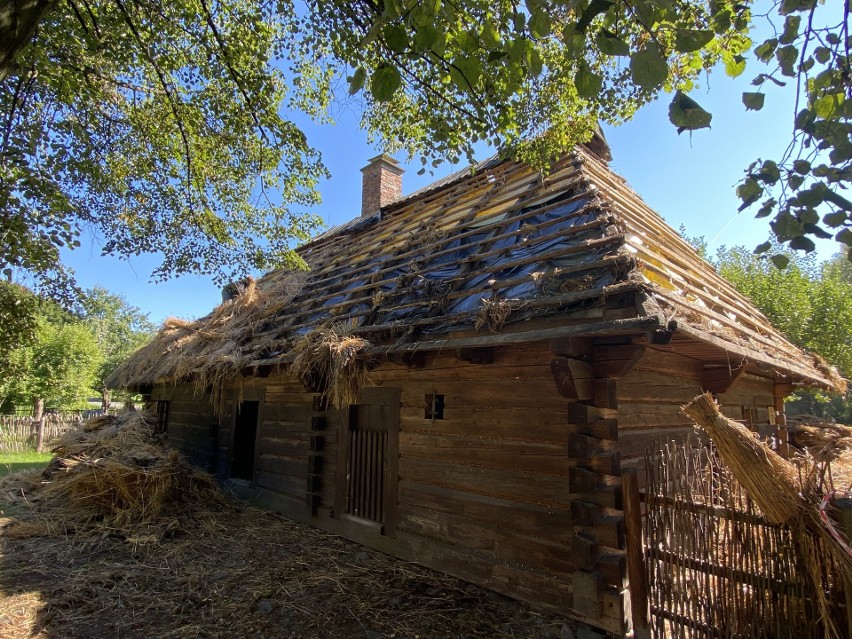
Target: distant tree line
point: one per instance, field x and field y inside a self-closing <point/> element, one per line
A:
<point x="810" y="302"/>
<point x="56" y="360"/>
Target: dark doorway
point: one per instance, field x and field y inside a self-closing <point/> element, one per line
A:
<point x="245" y="434"/>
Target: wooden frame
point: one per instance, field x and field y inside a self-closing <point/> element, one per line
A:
<point x="389" y="401"/>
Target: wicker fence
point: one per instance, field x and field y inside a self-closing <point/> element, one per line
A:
<point x="714" y="567"/>
<point x="18" y="433"/>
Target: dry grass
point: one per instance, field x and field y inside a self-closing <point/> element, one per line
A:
<point x="332" y="360"/>
<point x="494" y="312"/>
<point x="246" y="574"/>
<point x="214" y="350"/>
<point x="112" y="478"/>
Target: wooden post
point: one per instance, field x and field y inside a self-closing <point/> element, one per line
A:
<point x="637" y="578"/>
<point x="843" y="510"/>
<point x="779" y="392"/>
<point x="38" y="418"/>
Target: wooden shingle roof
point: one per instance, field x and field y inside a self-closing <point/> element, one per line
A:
<point x="501" y="254"/>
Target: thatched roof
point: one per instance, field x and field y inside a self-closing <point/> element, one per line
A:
<point x="498" y="255"/>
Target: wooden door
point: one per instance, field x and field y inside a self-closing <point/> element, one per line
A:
<point x="369" y="458"/>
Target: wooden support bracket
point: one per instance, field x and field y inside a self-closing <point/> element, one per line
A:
<point x="574" y="378"/>
<point x="616" y="360"/>
<point x="719" y="380"/>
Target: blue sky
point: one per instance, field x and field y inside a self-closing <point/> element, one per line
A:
<point x="688" y="179"/>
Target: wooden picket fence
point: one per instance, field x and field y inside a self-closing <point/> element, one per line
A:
<point x="18" y="433"/>
<point x="711" y="564"/>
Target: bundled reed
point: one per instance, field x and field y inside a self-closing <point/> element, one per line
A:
<point x="769" y="479"/>
<point x="114" y="477"/>
<point x="214" y="350"/>
<point x="331" y="360"/>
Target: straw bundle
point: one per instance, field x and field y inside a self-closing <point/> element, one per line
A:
<point x="113" y="476"/>
<point x="770" y="480"/>
<point x="214" y="350"/>
<point x="331" y="360"/>
<point x="775" y="485"/>
<point x="494" y="312"/>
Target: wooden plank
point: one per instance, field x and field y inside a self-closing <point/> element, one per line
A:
<point x="635" y="546"/>
<point x="528" y="519"/>
<point x="533" y="488"/>
<point x="519" y="456"/>
<point x="291" y="486"/>
<point x="574" y="378"/>
<point x="503" y="543"/>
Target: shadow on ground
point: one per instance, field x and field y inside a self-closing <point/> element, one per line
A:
<point x="248" y="573"/>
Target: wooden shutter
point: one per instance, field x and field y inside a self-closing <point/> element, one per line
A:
<point x="367" y="489"/>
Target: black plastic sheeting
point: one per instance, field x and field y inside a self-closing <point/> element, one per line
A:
<point x="419" y="287"/>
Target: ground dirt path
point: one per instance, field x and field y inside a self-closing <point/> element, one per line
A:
<point x="252" y="574"/>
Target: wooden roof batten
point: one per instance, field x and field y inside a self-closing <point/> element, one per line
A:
<point x="497" y="255"/>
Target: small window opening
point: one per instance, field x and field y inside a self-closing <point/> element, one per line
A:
<point x="162" y="423"/>
<point x="434" y="405"/>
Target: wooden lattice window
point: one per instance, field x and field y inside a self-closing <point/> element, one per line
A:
<point x="161" y="425"/>
<point x="367" y="490"/>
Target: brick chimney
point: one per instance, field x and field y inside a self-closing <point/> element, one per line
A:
<point x="381" y="185"/>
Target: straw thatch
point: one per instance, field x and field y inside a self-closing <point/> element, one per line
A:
<point x="331" y="360"/>
<point x="214" y="350"/>
<point x="114" y="477"/>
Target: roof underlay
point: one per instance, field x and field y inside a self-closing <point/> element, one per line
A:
<point x="498" y="255"/>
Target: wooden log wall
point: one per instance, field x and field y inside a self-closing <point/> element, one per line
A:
<point x="650" y="397"/>
<point x="652" y="393"/>
<point x="504" y="490"/>
<point x="191" y="426"/>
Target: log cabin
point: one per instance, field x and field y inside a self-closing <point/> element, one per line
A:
<point x="464" y="373"/>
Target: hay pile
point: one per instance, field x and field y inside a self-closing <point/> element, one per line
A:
<point x="786" y="492"/>
<point x="214" y="350"/>
<point x="114" y="477"/>
<point x="331" y="360"/>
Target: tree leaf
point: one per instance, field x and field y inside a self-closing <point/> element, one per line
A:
<point x="396" y="38"/>
<point x="780" y="261"/>
<point x="688" y="40"/>
<point x="648" y="67"/>
<point x="791" y="29"/>
<point x="734" y="65"/>
<point x="610" y="44"/>
<point x="385" y="82"/>
<point x="356" y="81"/>
<point x="588" y="83"/>
<point x="802" y="243"/>
<point x="687" y="115"/>
<point x="595" y="8"/>
<point x="753" y="101"/>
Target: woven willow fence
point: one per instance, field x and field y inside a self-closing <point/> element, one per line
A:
<point x="715" y="567"/>
<point x="18" y="433"/>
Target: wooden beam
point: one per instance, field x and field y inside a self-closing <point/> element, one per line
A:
<point x="637" y="579"/>
<point x="476" y="355"/>
<point x="576" y="347"/>
<point x="574" y="378"/>
<point x="616" y="361"/>
<point x="719" y="380"/>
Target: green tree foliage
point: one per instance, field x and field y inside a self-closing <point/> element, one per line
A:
<point x="162" y="126"/>
<point x="810" y="303"/>
<point x="119" y="329"/>
<point x="58" y="367"/>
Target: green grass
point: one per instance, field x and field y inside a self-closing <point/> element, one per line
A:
<point x="13" y="462"/>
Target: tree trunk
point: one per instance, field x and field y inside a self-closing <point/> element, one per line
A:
<point x="38" y="418"/>
<point x="105" y="399"/>
<point x="18" y="22"/>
